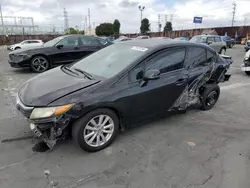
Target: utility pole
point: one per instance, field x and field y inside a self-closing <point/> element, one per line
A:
<point x="159" y="23"/>
<point x="245" y="21"/>
<point x="1" y="14"/>
<point x="234" y="12"/>
<point x="66" y="21"/>
<point x="85" y="25"/>
<point x="89" y="21"/>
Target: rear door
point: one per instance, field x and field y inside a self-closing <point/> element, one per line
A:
<point x="89" y="45"/>
<point x="156" y="97"/>
<point x="219" y="43"/>
<point x="212" y="43"/>
<point x="198" y="66"/>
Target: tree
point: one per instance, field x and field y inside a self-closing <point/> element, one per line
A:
<point x="116" y="26"/>
<point x="168" y="27"/>
<point x="81" y="32"/>
<point x="71" y="30"/>
<point x="104" y="29"/>
<point x="145" y="26"/>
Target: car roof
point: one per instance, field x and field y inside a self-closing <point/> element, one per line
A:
<point x="206" y="36"/>
<point x="156" y="43"/>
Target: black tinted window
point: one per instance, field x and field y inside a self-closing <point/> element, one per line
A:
<point x="217" y="39"/>
<point x="137" y="73"/>
<point x="90" y="41"/>
<point x="69" y="41"/>
<point x="170" y="60"/>
<point x="196" y="57"/>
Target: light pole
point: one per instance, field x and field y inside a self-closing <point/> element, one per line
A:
<point x="141" y="8"/>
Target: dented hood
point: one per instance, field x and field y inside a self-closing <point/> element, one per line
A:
<point x="47" y="87"/>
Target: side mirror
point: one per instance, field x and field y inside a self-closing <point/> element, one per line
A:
<point x="59" y="46"/>
<point x="209" y="42"/>
<point x="152" y="74"/>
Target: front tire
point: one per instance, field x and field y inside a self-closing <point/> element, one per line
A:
<point x="17" y="48"/>
<point x="39" y="64"/>
<point x="247" y="73"/>
<point x="96" y="130"/>
<point x="209" y="96"/>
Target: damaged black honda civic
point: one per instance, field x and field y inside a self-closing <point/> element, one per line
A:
<point x="121" y="86"/>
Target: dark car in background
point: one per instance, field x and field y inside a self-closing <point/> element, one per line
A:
<point x="228" y="40"/>
<point x="120" y="86"/>
<point x="247" y="45"/>
<point x="59" y="51"/>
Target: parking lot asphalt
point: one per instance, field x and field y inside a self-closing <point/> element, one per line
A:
<point x="204" y="149"/>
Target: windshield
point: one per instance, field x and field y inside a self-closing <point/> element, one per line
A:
<point x="53" y="42"/>
<point x="111" y="60"/>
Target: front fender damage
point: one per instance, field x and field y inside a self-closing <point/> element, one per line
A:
<point x="50" y="131"/>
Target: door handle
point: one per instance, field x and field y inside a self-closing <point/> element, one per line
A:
<point x="180" y="81"/>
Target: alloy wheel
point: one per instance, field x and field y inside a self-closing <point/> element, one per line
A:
<point x="40" y="64"/>
<point x="98" y="130"/>
<point x="212" y="98"/>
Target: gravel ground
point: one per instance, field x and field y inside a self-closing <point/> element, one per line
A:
<point x="197" y="149"/>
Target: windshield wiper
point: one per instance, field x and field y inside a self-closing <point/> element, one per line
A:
<point x="89" y="76"/>
<point x="68" y="69"/>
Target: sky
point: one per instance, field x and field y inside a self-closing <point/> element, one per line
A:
<point x="47" y="13"/>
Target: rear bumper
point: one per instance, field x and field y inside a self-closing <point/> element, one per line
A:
<point x="246" y="47"/>
<point x="245" y="68"/>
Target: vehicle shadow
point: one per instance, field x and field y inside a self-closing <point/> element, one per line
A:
<point x="23" y="71"/>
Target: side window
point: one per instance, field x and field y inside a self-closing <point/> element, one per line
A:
<point x="103" y="42"/>
<point x="136" y="73"/>
<point x="69" y="41"/>
<point x="210" y="39"/>
<point x="217" y="39"/>
<point x="90" y="41"/>
<point x="33" y="41"/>
<point x="196" y="57"/>
<point x="25" y="42"/>
<point x="169" y="60"/>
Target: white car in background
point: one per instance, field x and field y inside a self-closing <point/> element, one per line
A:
<point x="26" y="44"/>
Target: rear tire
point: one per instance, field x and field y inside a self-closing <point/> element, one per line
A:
<point x="230" y="46"/>
<point x="247" y="73"/>
<point x="84" y="127"/>
<point x="209" y="96"/>
<point x="223" y="51"/>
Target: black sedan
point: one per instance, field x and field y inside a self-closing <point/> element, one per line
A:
<point x="120" y="86"/>
<point x="61" y="50"/>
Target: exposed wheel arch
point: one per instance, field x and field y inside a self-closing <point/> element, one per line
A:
<point x="17" y="47"/>
<point x="116" y="111"/>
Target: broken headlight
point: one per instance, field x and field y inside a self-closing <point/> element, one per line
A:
<point x="39" y="113"/>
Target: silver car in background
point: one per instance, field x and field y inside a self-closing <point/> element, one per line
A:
<point x="214" y="41"/>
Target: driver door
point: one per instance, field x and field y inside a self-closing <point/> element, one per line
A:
<point x="69" y="51"/>
<point x="156" y="97"/>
